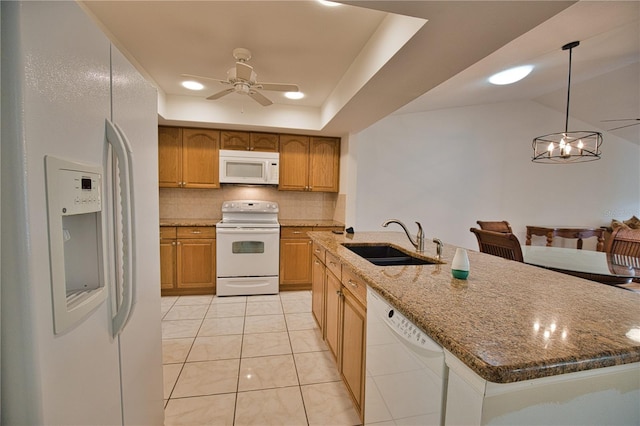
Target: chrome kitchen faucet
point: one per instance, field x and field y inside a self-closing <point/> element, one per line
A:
<point x="418" y="243"/>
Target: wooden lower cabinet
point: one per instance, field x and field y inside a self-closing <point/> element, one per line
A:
<point x="168" y="250"/>
<point x="187" y="262"/>
<point x="339" y="305"/>
<point x="333" y="321"/>
<point x="318" y="282"/>
<point x="353" y="346"/>
<point x="295" y="258"/>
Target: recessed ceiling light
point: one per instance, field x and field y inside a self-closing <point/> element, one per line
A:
<point x="294" y="95"/>
<point x="511" y="75"/>
<point x="192" y="85"/>
<point x="328" y="3"/>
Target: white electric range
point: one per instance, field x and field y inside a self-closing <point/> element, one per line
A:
<point x="248" y="248"/>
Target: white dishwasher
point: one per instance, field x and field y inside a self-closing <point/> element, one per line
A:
<point x="406" y="373"/>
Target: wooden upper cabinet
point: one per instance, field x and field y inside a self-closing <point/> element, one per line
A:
<point x="170" y="157"/>
<point x="200" y="158"/>
<point x="294" y="162"/>
<point x="188" y="158"/>
<point x="267" y="142"/>
<point x="235" y="140"/>
<point x="309" y="164"/>
<point x="324" y="165"/>
<point x="246" y="141"/>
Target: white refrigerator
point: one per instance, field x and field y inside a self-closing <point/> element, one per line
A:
<point x="91" y="354"/>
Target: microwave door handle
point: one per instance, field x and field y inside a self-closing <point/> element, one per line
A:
<point x="267" y="171"/>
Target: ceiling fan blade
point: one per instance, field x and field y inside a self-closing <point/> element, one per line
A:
<point x="243" y="71"/>
<point x="260" y="98"/>
<point x="220" y="94"/>
<point x="280" y="87"/>
<point x="203" y="77"/>
<point x="622" y="127"/>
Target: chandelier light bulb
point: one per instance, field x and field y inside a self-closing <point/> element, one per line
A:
<point x="550" y="147"/>
<point x="580" y="144"/>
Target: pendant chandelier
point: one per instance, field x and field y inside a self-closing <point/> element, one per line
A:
<point x="567" y="147"/>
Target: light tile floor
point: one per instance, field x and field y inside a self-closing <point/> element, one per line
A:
<point x="249" y="360"/>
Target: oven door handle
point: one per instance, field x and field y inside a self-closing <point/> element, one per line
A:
<point x="247" y="230"/>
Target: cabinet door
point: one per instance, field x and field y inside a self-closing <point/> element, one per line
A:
<point x="318" y="291"/>
<point x="354" y="322"/>
<point x="324" y="165"/>
<point x="266" y="142"/>
<point x="170" y="157"/>
<point x="167" y="264"/>
<point x="332" y="319"/>
<point x="200" y="158"/>
<point x="295" y="261"/>
<point x="294" y="163"/>
<point x="235" y="140"/>
<point x="196" y="263"/>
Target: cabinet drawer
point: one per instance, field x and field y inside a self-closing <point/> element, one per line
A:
<point x="355" y="285"/>
<point x="319" y="252"/>
<point x="334" y="265"/>
<point x="167" y="232"/>
<point x="196" y="232"/>
<point x="295" y="232"/>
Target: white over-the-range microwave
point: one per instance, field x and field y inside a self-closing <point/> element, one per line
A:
<point x="249" y="167"/>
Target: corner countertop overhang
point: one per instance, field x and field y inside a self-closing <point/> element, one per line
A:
<point x="508" y="321"/>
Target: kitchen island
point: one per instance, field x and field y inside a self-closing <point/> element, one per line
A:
<point x="514" y="332"/>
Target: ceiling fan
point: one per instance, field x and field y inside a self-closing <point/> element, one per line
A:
<point x="243" y="80"/>
<point x="623" y="126"/>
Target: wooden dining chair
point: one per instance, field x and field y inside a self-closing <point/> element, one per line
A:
<point x="624" y="245"/>
<point x="502" y="244"/>
<point x="495" y="226"/>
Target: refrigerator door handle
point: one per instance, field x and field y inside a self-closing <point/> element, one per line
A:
<point x="122" y="151"/>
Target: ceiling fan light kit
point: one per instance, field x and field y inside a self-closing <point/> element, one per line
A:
<point x="244" y="81"/>
<point x="568" y="146"/>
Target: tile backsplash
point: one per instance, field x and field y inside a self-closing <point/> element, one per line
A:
<point x="181" y="203"/>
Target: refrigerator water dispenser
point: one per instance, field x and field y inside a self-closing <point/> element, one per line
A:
<point x="74" y="203"/>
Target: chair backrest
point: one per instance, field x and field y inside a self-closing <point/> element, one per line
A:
<point x="624" y="242"/>
<point x="495" y="226"/>
<point x="501" y="244"/>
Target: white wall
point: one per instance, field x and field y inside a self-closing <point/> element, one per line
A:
<point x="449" y="168"/>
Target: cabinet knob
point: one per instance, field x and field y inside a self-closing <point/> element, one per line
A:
<point x="173" y="243"/>
<point x="339" y="293"/>
<point x="353" y="283"/>
<point x="310" y="242"/>
<point x="196" y="232"/>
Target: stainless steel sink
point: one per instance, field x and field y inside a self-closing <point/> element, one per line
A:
<point x="387" y="255"/>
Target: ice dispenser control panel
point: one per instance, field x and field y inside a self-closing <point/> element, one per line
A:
<point x="80" y="192"/>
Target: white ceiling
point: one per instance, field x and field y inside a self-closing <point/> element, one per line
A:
<point x="357" y="64"/>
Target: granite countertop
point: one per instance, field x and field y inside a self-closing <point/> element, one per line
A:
<point x="189" y="222"/>
<point x="509" y="321"/>
<point x="309" y="222"/>
<point x="283" y="222"/>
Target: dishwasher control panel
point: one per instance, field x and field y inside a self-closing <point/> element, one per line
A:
<point x="409" y="331"/>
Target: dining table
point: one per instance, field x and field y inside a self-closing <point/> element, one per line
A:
<point x="597" y="266"/>
<point x="576" y="232"/>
